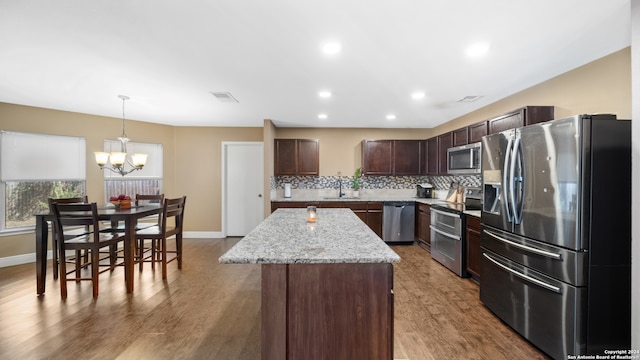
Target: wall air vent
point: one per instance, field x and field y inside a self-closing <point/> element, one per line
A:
<point x="469" y="98"/>
<point x="225" y="97"/>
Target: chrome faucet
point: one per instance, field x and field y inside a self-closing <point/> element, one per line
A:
<point x="340" y="193"/>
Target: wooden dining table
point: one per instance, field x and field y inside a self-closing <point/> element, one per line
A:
<point x="115" y="215"/>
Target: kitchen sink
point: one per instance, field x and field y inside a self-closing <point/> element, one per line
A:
<point x="339" y="198"/>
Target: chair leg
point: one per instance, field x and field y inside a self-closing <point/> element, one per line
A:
<point x="95" y="258"/>
<point x="78" y="261"/>
<point x="54" y="251"/>
<point x="179" y="250"/>
<point x="63" y="273"/>
<point x="164" y="257"/>
<point x="140" y="252"/>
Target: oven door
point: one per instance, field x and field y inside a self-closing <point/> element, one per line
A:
<point x="446" y="240"/>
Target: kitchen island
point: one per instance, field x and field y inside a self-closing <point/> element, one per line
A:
<point x="327" y="286"/>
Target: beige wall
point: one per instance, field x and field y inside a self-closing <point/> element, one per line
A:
<point x="192" y="155"/>
<point x="95" y="129"/>
<point x="198" y="172"/>
<point x="602" y="86"/>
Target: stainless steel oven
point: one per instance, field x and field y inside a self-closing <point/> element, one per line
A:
<point x="447" y="237"/>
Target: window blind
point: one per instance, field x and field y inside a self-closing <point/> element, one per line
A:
<point x="29" y="156"/>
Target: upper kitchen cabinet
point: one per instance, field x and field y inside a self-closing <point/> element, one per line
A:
<point x="392" y="157"/>
<point x="527" y="115"/>
<point x="445" y="141"/>
<point x="477" y="131"/>
<point x="408" y="157"/>
<point x="432" y="156"/>
<point x="296" y="157"/>
<point x="461" y="136"/>
<point x="377" y="157"/>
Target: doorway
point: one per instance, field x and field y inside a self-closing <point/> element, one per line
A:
<point x="242" y="187"/>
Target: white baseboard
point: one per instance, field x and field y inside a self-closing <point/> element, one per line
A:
<point x="31" y="258"/>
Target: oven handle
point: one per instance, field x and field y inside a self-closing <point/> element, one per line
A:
<point x="457" y="216"/>
<point x="523" y="276"/>
<point x="444" y="233"/>
<point x="525" y="247"/>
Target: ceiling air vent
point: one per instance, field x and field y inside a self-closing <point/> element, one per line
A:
<point x="469" y="98"/>
<point x="225" y="97"/>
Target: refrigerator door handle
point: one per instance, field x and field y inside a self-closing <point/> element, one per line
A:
<point x="517" y="190"/>
<point x="523" y="276"/>
<point x="525" y="247"/>
<point x="506" y="180"/>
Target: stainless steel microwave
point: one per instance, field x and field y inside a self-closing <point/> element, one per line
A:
<point x="464" y="159"/>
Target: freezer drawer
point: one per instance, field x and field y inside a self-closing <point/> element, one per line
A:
<point x="547" y="312"/>
<point x="562" y="264"/>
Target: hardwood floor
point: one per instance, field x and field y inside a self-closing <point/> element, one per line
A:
<point x="212" y="311"/>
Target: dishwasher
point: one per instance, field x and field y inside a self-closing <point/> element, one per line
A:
<point x="398" y="222"/>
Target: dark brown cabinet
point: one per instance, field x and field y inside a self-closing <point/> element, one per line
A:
<point x="369" y="212"/>
<point x="477" y="131"/>
<point x="392" y="157"/>
<point x="296" y="157"/>
<point x="445" y="141"/>
<point x="524" y="116"/>
<point x="473" y="246"/>
<point x="432" y="156"/>
<point x="423" y="223"/>
<point x="461" y="136"/>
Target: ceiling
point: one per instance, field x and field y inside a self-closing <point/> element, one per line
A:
<point x="169" y="56"/>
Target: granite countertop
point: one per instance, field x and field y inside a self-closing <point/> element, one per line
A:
<point x="366" y="198"/>
<point x="285" y="237"/>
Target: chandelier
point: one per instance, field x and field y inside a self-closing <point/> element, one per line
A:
<point x="119" y="159"/>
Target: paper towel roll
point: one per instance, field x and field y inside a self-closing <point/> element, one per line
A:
<point x="287" y="190"/>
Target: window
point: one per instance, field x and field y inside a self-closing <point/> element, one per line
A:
<point x="145" y="181"/>
<point x="34" y="167"/>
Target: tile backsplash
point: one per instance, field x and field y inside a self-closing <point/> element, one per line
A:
<point x="373" y="182"/>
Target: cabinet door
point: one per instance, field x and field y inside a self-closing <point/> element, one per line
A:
<point x="374" y="217"/>
<point x="445" y="141"/>
<point x="506" y="122"/>
<point x="286" y="158"/>
<point x="473" y="246"/>
<point x="461" y="136"/>
<point x="308" y="157"/>
<point x="477" y="131"/>
<point x="537" y="114"/>
<point x="423" y="226"/>
<point x="377" y="157"/>
<point x="432" y="156"/>
<point x="407" y="157"/>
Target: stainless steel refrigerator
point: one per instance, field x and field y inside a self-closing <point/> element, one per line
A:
<point x="556" y="233"/>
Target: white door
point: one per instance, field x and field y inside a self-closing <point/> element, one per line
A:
<point x="243" y="186"/>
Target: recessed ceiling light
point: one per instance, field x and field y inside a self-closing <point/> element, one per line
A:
<point x="331" y="48"/>
<point x="418" y="95"/>
<point x="322" y="116"/>
<point x="324" y="94"/>
<point x="478" y="49"/>
<point x="391" y="117"/>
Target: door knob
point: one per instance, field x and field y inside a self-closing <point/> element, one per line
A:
<point x="259" y="195"/>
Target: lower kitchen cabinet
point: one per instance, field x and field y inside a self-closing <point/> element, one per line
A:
<point x="423" y="222"/>
<point x="369" y="212"/>
<point x="473" y="246"/>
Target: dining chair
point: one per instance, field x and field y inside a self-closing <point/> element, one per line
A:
<point x="171" y="224"/>
<point x="71" y="233"/>
<point x="69" y="217"/>
<point x="141" y="200"/>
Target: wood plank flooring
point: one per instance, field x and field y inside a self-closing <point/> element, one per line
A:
<point x="212" y="311"/>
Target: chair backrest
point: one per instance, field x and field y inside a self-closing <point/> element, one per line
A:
<point x="74" y="215"/>
<point x="143" y="198"/>
<point x="71" y="200"/>
<point x="173" y="208"/>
